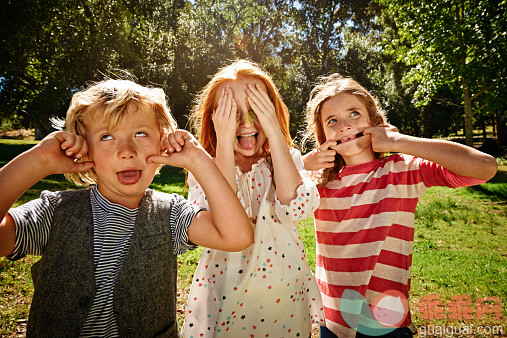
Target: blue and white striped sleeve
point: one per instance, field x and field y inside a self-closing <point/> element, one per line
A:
<point x="181" y="215"/>
<point x="33" y="224"/>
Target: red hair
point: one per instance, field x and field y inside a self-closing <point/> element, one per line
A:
<point x="200" y="116"/>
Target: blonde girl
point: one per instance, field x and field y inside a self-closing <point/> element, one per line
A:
<point x="365" y="221"/>
<point x="267" y="289"/>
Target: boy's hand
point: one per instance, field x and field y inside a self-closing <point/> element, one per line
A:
<point x="224" y="117"/>
<point x="320" y="158"/>
<point x="60" y="152"/>
<point x="181" y="150"/>
<point x="383" y="137"/>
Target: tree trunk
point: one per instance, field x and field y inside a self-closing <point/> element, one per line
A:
<point x="469" y="127"/>
<point x="501" y="129"/>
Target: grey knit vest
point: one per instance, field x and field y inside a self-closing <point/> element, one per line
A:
<point x="145" y="290"/>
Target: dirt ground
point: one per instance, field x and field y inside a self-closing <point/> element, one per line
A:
<point x="21" y="134"/>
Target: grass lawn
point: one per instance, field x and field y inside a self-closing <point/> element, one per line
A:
<point x="460" y="252"/>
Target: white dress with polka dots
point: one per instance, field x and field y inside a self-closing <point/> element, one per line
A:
<point x="268" y="289"/>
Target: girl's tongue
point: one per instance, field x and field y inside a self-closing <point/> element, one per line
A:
<point x="128" y="177"/>
<point x="247" y="142"/>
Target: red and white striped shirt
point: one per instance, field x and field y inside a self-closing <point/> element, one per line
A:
<point x="365" y="229"/>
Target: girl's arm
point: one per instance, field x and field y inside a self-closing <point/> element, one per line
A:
<point x="55" y="154"/>
<point x="224" y="121"/>
<point x="458" y="158"/>
<point x="226" y="226"/>
<point x="287" y="177"/>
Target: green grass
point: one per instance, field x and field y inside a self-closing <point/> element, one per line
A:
<point x="460" y="247"/>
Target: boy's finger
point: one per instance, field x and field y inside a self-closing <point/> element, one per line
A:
<point x="179" y="138"/>
<point x="67" y="140"/>
<point x="76" y="146"/>
<point x="170" y="143"/>
<point x="159" y="159"/>
<point x="82" y="166"/>
<point x="83" y="150"/>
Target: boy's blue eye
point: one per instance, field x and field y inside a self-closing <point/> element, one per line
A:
<point x="141" y="133"/>
<point x="106" y="137"/>
<point x="354" y="113"/>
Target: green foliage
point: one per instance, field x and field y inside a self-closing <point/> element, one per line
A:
<point x="417" y="57"/>
<point x="455" y="47"/>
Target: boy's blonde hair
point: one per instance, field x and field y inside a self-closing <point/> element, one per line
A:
<point x="110" y="100"/>
<point x="200" y="117"/>
<point x="326" y="88"/>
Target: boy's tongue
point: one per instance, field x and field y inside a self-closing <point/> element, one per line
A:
<point x="129" y="176"/>
<point x="247" y="142"/>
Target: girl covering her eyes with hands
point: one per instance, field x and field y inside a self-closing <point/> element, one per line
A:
<point x="267" y="288"/>
<point x="365" y="221"/>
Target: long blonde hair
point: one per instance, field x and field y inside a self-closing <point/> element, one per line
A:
<point x="110" y="99"/>
<point x="326" y="88"/>
<point x="200" y="116"/>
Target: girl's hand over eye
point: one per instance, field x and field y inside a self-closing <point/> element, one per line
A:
<point x="224" y="117"/>
<point x="320" y="158"/>
<point x="383" y="137"/>
<point x="264" y="109"/>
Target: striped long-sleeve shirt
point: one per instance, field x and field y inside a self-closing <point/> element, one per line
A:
<point x="365" y="229"/>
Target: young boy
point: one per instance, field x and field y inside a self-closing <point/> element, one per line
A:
<point x="108" y="265"/>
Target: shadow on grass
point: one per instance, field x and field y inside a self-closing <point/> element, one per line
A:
<point x="495" y="189"/>
<point x="10" y="150"/>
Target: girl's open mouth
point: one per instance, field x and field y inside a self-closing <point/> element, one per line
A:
<point x="129" y="177"/>
<point x="247" y="141"/>
<point x="349" y="137"/>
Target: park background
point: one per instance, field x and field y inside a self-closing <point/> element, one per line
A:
<point x="438" y="68"/>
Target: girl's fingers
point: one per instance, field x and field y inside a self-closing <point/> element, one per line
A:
<point x="262" y="96"/>
<point x="220" y="110"/>
<point x="234" y="109"/>
<point x="368" y="130"/>
<point x="227" y="103"/>
<point x="256" y="96"/>
<point x="328" y="144"/>
<point x="327" y="158"/>
<point x="328" y="165"/>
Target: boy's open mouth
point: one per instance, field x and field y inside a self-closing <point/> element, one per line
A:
<point x="128" y="177"/>
<point x="349" y="137"/>
<point x="247" y="141"/>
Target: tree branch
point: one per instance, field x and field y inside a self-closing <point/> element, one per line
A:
<point x="483" y="90"/>
<point x="448" y="103"/>
<point x="480" y="108"/>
